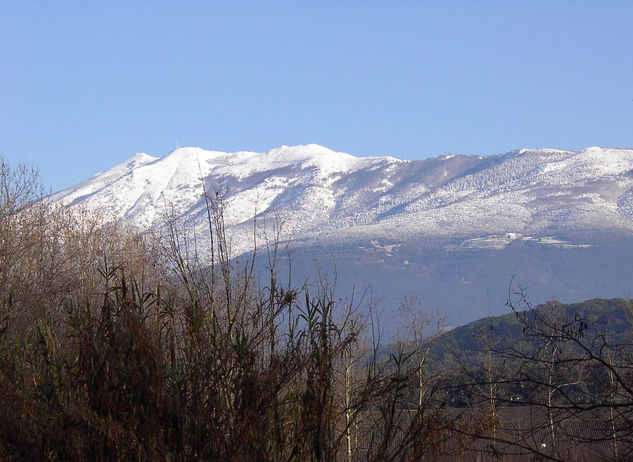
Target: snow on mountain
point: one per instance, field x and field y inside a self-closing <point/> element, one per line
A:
<point x="321" y="194"/>
<point x="451" y="230"/>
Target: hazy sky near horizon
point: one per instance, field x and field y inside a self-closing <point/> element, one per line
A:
<point x="85" y="85"/>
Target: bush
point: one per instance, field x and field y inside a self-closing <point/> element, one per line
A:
<point x="119" y="346"/>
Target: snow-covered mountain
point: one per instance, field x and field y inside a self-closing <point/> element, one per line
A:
<point x="301" y="185"/>
<point x="322" y="194"/>
<point x="564" y="201"/>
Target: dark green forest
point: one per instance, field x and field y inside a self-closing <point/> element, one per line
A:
<point x="119" y="345"/>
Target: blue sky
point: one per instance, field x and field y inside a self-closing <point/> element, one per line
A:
<point x="85" y="85"/>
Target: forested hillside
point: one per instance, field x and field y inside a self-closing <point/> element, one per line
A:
<point x="614" y="316"/>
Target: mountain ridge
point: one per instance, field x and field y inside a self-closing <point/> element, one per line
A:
<point x="401" y="187"/>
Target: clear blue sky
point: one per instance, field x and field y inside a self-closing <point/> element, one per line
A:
<point x="84" y="85"/>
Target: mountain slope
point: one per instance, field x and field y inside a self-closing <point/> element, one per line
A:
<point x="612" y="317"/>
<point x="320" y="193"/>
<point x="445" y="217"/>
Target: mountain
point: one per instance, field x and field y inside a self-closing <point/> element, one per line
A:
<point x="453" y="230"/>
<point x="609" y="318"/>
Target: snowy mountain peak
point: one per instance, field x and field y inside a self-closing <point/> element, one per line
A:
<point x="314" y="155"/>
<point x="322" y="194"/>
<point x="138" y="159"/>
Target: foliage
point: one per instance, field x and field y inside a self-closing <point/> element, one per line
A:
<point x="118" y="346"/>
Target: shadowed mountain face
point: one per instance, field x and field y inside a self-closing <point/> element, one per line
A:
<point x="453" y="230"/>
